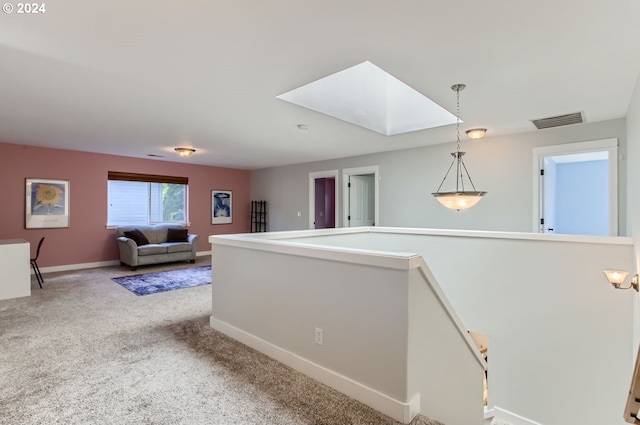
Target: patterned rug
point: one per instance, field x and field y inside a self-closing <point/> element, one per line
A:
<point x="151" y="283"/>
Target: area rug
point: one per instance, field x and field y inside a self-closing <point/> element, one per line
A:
<point x="152" y="283"/>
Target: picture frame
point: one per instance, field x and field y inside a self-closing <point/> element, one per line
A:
<point x="221" y="207"/>
<point x="46" y="203"/>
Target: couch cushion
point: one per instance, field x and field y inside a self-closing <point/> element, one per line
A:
<point x="152" y="249"/>
<point x="177" y="235"/>
<point x="138" y="237"/>
<point x="178" y="247"/>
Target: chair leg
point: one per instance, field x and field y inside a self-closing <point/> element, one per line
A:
<point x="36" y="271"/>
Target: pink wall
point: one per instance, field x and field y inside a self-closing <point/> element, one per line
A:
<point x="87" y="240"/>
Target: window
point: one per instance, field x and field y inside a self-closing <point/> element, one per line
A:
<point x="145" y="199"/>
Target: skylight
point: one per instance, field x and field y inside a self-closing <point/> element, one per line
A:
<point x="367" y="96"/>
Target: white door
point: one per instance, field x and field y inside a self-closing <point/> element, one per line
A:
<point x="361" y="200"/>
<point x="360" y="205"/>
<point x="577" y="188"/>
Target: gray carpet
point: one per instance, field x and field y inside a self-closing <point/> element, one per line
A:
<point x="85" y="350"/>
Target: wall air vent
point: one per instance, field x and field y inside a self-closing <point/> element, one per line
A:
<point x="559" y="121"/>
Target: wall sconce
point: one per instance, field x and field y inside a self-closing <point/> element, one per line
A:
<point x="617" y="278"/>
<point x="185" y="152"/>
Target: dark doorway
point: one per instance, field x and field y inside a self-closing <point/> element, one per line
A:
<point x="325" y="203"/>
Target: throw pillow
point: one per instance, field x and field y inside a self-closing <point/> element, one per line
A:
<point x="177" y="235"/>
<point x="138" y="237"/>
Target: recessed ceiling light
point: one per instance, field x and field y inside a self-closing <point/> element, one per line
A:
<point x="367" y="96"/>
<point x="155" y="156"/>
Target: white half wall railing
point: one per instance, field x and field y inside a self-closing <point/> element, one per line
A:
<point x="389" y="336"/>
<point x="560" y="337"/>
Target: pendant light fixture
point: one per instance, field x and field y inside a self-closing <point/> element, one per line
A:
<point x="460" y="199"/>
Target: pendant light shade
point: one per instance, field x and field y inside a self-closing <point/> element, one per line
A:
<point x="460" y="199"/>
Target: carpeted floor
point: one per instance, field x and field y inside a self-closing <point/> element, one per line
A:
<point x="85" y="350"/>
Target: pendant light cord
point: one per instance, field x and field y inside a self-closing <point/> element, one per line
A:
<point x="459" y="177"/>
<point x="458" y="116"/>
<point x="457" y="155"/>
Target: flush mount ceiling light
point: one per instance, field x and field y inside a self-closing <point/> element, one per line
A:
<point x="185" y="152"/>
<point x="369" y="97"/>
<point x="459" y="199"/>
<point x="476" y="133"/>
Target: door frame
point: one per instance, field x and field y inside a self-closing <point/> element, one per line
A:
<point x="357" y="171"/>
<point x="608" y="145"/>
<point x="312" y="194"/>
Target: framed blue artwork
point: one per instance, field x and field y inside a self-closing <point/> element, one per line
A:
<point x="221" y="207"/>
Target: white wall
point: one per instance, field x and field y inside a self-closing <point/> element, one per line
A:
<point x="633" y="189"/>
<point x="265" y="280"/>
<point x="389" y="339"/>
<point x="633" y="159"/>
<point x="560" y="337"/>
<point x="438" y="358"/>
<point x="499" y="165"/>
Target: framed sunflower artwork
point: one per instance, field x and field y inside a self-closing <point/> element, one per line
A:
<point x="221" y="207"/>
<point x="47" y="203"/>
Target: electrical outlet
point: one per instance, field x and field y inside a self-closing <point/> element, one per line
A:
<point x="318" y="336"/>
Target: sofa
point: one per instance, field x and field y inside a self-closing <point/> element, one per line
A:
<point x="141" y="245"/>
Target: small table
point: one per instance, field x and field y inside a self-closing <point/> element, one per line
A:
<point x="15" y="257"/>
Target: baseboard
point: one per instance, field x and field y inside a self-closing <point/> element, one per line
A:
<point x="81" y="266"/>
<point x="68" y="267"/>
<point x="400" y="411"/>
<point x="512" y="418"/>
<point x="489" y="412"/>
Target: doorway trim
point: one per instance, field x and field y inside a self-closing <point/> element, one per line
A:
<point x="312" y="194"/>
<point x="357" y="171"/>
<point x="608" y="145"/>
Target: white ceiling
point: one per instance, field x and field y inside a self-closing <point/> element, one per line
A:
<point x="142" y="77"/>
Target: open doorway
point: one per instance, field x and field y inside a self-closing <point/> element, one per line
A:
<point x="360" y="196"/>
<point x="323" y="205"/>
<point x="576" y="188"/>
<point x="482" y="342"/>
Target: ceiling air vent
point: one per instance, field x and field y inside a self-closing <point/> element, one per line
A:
<point x="558" y="121"/>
